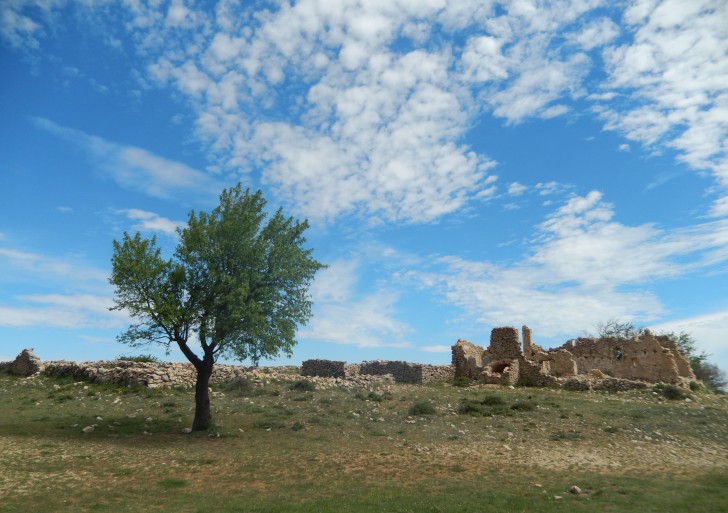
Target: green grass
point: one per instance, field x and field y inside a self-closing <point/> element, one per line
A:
<point x="279" y="448"/>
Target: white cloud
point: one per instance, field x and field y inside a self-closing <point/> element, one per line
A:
<point x="436" y="349"/>
<point x="135" y="168"/>
<point x="675" y="70"/>
<point x="343" y="316"/>
<point x="61" y="311"/>
<point x="708" y="331"/>
<point x="584" y="267"/>
<point x="19" y="265"/>
<point x="624" y="148"/>
<point x="151" y="222"/>
<point x="17" y="26"/>
<point x="596" y="33"/>
<point x="516" y="189"/>
<point x="379" y="96"/>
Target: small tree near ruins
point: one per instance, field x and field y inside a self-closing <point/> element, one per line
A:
<point x="236" y="286"/>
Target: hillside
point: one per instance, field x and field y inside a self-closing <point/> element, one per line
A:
<point x="281" y="444"/>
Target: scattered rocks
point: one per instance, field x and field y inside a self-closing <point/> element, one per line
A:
<point x="575" y="490"/>
<point x="88" y="429"/>
<point x="186" y="431"/>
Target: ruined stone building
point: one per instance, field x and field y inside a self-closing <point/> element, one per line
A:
<point x="648" y="357"/>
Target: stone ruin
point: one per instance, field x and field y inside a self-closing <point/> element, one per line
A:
<point x="644" y="358"/>
<point x="581" y="364"/>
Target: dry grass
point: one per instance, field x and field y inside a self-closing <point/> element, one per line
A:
<point x="278" y="448"/>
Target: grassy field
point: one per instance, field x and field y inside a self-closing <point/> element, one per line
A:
<point x="279" y="446"/>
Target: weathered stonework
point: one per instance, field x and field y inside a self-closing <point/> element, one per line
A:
<point x="25" y="364"/>
<point x="503" y="362"/>
<point x="401" y="372"/>
<point x="324" y="368"/>
<point x="646" y="358"/>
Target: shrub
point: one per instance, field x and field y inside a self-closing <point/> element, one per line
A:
<point x="462" y="381"/>
<point x="471" y="407"/>
<point x="268" y="424"/>
<point x="240" y="385"/>
<point x="422" y="408"/>
<point x="302" y="385"/>
<point x="523" y="406"/>
<point x="671" y="392"/>
<point x="694" y="386"/>
<point x="373" y="396"/>
<point x="493" y="400"/>
<point x="142" y="358"/>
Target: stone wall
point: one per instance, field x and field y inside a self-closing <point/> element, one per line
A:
<point x="324" y="373"/>
<point x="647" y="357"/>
<point x="324" y="368"/>
<point x="467" y="359"/>
<point x="401" y="372"/>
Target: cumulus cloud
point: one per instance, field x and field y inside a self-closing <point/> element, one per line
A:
<point x="151" y="222"/>
<point x="584" y="267"/>
<point x="344" y="316"/>
<point x="516" y="189"/>
<point x="675" y="72"/>
<point x="364" y="108"/>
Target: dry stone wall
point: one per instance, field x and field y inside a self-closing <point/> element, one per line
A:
<point x="324" y="368"/>
<point x="323" y="373"/>
<point x="400" y="371"/>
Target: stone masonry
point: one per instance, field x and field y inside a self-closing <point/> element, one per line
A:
<point x="401" y="372"/>
<point x="646" y="358"/>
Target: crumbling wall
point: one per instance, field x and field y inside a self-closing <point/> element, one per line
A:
<point x="645" y="357"/>
<point x="562" y="363"/>
<point x="467" y="359"/>
<point x="504" y="344"/>
<point x="503" y="362"/>
<point x="406" y="372"/>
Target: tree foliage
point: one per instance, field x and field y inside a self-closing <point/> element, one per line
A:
<point x="615" y="328"/>
<point x="237" y="286"/>
<point x="709" y="373"/>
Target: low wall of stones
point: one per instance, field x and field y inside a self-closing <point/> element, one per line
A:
<point x="406" y="372"/>
<point x="152" y="375"/>
<point x="324" y="368"/>
<point x="401" y="372"/>
<point x="176" y="374"/>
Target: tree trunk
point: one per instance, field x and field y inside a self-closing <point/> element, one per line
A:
<point x="203" y="413"/>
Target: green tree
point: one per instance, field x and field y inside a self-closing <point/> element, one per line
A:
<point x="710" y="374"/>
<point x="614" y="328"/>
<point x="236" y="286"/>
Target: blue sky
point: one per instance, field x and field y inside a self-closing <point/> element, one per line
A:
<point x="463" y="164"/>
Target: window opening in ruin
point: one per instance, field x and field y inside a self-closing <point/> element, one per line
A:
<point x="618" y="353"/>
<point x="500" y="368"/>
